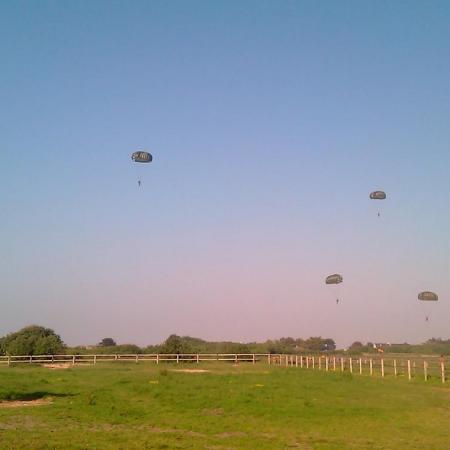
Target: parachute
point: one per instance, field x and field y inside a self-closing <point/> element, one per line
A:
<point x="141" y="157"/>
<point x="378" y="195"/>
<point x="427" y="296"/>
<point x="335" y="280"/>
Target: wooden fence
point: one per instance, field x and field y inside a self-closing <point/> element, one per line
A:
<point x="426" y="369"/>
<point x="417" y="367"/>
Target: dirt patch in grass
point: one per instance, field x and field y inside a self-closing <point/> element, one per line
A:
<point x="106" y="427"/>
<point x="230" y="434"/>
<point x="23" y="423"/>
<point x="57" y="366"/>
<point x="213" y="412"/>
<point x="25" y="403"/>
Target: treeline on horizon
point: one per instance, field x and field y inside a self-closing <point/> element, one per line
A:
<point x="37" y="340"/>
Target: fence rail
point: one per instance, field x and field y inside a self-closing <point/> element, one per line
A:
<point x="157" y="358"/>
<point x="417" y="367"/>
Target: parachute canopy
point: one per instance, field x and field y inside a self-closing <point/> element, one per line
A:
<point x="428" y="296"/>
<point x="334" y="279"/>
<point x="378" y="195"/>
<point x="142" y="157"/>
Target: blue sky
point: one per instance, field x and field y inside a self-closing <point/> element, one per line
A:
<point x="270" y="123"/>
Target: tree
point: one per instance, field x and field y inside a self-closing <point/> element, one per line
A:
<point x="175" y="344"/>
<point x="238" y="348"/>
<point x="315" y="344"/>
<point x="130" y="349"/>
<point x="357" y="347"/>
<point x="32" y="340"/>
<point x="107" y="342"/>
<point x="329" y="345"/>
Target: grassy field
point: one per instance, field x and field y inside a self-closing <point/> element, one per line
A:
<point x="129" y="406"/>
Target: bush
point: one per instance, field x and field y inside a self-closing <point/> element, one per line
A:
<point x="32" y="340"/>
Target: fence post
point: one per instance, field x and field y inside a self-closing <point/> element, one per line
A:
<point x="137" y="358"/>
<point x="268" y="358"/>
<point x="395" y="367"/>
<point x="157" y="358"/>
<point x="307" y="362"/>
<point x="342" y="363"/>
<point x="9" y="360"/>
<point x="301" y="361"/>
<point x="371" y="366"/>
<point x="425" y="372"/>
<point x="382" y="367"/>
<point x="351" y="364"/>
<point x="95" y="359"/>
<point x="235" y="358"/>
<point x="73" y="360"/>
<point x="178" y="358"/>
<point x="253" y="357"/>
<point x="360" y="366"/>
<point x="296" y="360"/>
<point x="334" y="363"/>
<point x="442" y="371"/>
<point x="313" y="362"/>
<point x="320" y="363"/>
<point x="326" y="363"/>
<point x="198" y="358"/>
<point x="31" y="359"/>
<point x="409" y="369"/>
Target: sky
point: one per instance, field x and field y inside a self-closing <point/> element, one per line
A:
<point x="269" y="123"/>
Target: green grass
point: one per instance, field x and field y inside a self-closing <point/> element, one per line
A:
<point x="129" y="406"/>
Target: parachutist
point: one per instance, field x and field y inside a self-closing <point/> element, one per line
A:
<point x="378" y="195"/>
<point x="141" y="157"/>
<point x="428" y="296"/>
<point x="335" y="279"/>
